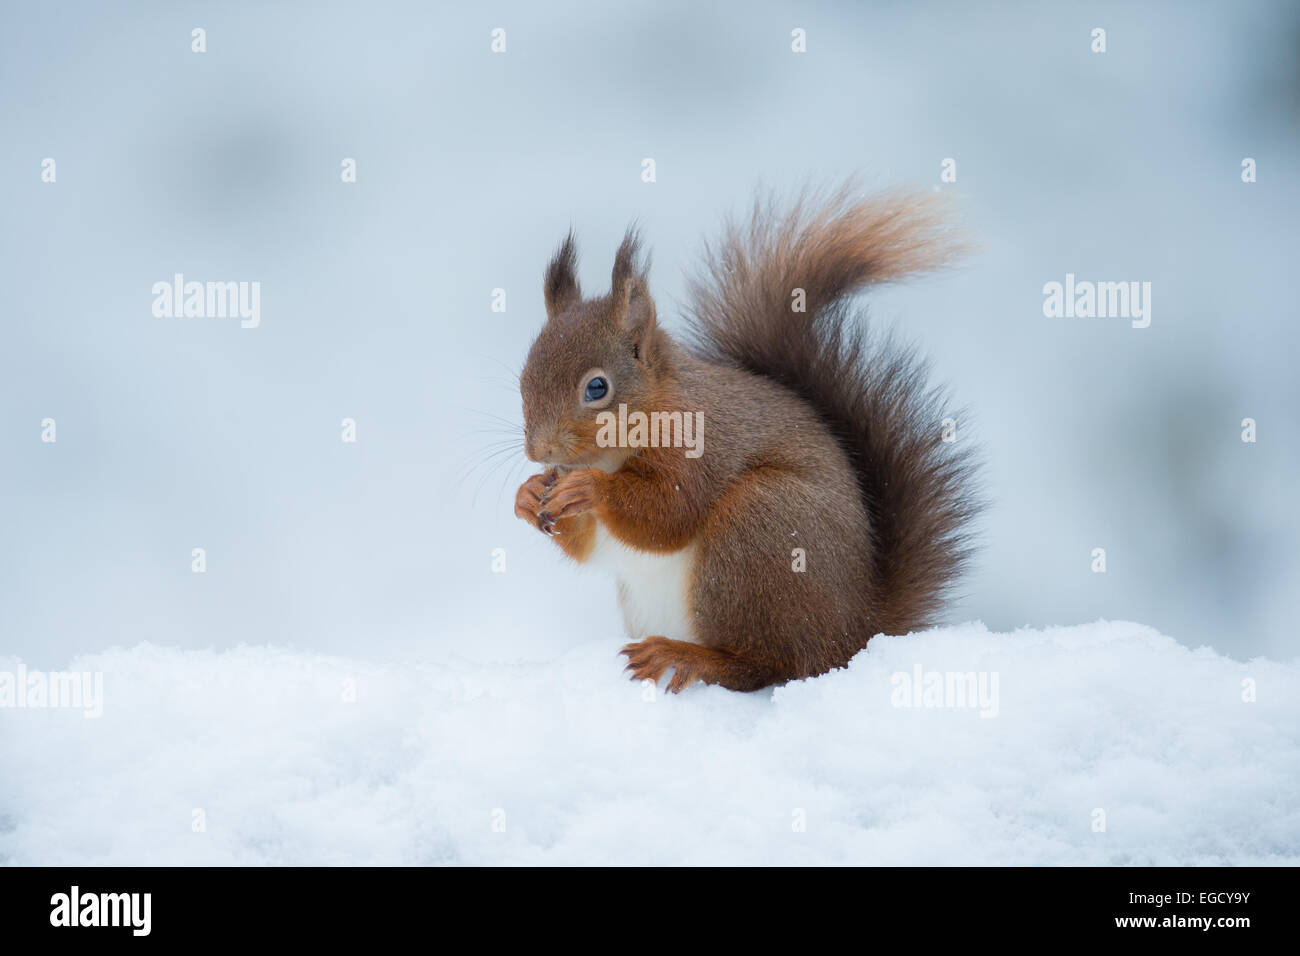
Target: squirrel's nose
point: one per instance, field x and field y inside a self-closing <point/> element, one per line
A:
<point x="535" y="449"/>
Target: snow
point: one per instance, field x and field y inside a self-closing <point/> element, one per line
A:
<point x="295" y="758"/>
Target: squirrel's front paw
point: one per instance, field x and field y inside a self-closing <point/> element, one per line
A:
<point x="574" y="494"/>
<point x="528" y="501"/>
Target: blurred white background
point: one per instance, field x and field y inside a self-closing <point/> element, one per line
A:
<point x="175" y="434"/>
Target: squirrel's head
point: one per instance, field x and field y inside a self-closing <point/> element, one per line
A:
<point x="591" y="356"/>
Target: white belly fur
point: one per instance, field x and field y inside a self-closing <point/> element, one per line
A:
<point x="652" y="588"/>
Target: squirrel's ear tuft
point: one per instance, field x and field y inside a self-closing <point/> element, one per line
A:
<point x="561" y="283"/>
<point x="628" y="268"/>
<point x="630" y="292"/>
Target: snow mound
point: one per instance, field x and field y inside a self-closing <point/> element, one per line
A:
<point x="1100" y="744"/>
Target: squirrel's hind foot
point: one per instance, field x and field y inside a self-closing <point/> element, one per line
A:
<point x="651" y="658"/>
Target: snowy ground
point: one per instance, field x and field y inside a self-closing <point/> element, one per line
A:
<point x="567" y="762"/>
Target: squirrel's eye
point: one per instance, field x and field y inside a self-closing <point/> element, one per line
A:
<point x="596" y="389"/>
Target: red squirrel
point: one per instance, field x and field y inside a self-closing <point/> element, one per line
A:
<point x="823" y="506"/>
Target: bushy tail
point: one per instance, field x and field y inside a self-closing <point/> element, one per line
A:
<point x="871" y="392"/>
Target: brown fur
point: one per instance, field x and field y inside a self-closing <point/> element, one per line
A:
<point x="817" y="439"/>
